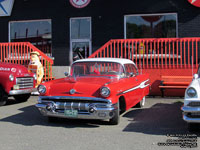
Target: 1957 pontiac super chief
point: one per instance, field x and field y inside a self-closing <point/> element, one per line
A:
<point x="96" y="88"/>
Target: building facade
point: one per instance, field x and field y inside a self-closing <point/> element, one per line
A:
<point x="70" y="29"/>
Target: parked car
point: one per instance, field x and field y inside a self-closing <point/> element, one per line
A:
<point x="15" y="80"/>
<point x="96" y="88"/>
<point x="191" y="107"/>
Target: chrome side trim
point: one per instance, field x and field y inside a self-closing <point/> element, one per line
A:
<point x="141" y="86"/>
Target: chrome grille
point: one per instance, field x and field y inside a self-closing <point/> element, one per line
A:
<point x="75" y="103"/>
<point x="76" y="106"/>
<point x="194" y="104"/>
<point x="193" y="115"/>
<point x="24" y="82"/>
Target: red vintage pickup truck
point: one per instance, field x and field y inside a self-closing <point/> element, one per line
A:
<point x="15" y="80"/>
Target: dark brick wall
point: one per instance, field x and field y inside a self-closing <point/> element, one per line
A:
<point x="107" y="19"/>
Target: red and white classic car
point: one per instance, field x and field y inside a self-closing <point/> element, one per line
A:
<point x="191" y="107"/>
<point x="97" y="88"/>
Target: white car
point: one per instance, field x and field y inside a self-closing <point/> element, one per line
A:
<point x="191" y="107"/>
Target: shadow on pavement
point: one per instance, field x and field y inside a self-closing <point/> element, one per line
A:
<point x="12" y="101"/>
<point x="30" y="116"/>
<point x="160" y="119"/>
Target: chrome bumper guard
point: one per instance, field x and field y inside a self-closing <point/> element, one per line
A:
<point x="187" y="110"/>
<point x="24" y="91"/>
<point x="84" y="107"/>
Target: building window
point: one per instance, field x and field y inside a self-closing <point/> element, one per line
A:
<point x="150" y="26"/>
<point x="80" y="28"/>
<point x="37" y="32"/>
<point x="80" y="38"/>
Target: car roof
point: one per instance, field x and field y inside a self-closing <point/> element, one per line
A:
<point x="117" y="60"/>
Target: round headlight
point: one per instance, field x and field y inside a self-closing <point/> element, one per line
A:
<point x="41" y="89"/>
<point x="105" y="91"/>
<point x="191" y="92"/>
<point x="11" y="77"/>
<point x="35" y="76"/>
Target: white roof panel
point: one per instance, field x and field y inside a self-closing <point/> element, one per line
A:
<point x="117" y="60"/>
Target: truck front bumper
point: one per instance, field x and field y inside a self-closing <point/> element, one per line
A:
<point x="76" y="107"/>
<point x="191" y="114"/>
<point x="24" y="91"/>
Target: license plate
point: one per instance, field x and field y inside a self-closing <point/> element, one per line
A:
<point x="71" y="113"/>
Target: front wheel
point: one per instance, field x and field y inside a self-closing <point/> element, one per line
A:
<point x="3" y="97"/>
<point x="116" y="118"/>
<point x="22" y="98"/>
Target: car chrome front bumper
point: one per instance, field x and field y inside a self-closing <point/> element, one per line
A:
<point x="24" y="91"/>
<point x="189" y="114"/>
<point x="86" y="107"/>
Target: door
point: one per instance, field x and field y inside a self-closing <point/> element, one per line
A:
<point x="80" y="38"/>
<point x="132" y="82"/>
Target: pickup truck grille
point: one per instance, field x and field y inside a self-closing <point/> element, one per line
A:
<point x="24" y="82"/>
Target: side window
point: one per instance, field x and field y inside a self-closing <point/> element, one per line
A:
<point x="135" y="70"/>
<point x="127" y="71"/>
<point x="130" y="68"/>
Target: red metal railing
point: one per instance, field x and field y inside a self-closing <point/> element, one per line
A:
<point x="157" y="57"/>
<point x="154" y="53"/>
<point x="19" y="53"/>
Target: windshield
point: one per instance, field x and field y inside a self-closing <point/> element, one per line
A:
<point x="110" y="69"/>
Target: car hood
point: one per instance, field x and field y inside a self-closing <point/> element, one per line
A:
<point x="13" y="68"/>
<point x="83" y="86"/>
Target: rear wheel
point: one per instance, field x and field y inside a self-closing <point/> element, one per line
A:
<point x="141" y="103"/>
<point x="3" y="97"/>
<point x="116" y="118"/>
<point x="22" y="98"/>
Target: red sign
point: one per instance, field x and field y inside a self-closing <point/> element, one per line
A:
<point x="195" y="2"/>
<point x="79" y="3"/>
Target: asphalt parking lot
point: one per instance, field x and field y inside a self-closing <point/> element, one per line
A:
<point x="22" y="127"/>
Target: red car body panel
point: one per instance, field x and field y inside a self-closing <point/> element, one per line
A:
<point x="16" y="70"/>
<point x="90" y="87"/>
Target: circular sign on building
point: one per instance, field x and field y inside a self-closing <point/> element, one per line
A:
<point x="79" y="3"/>
<point x="195" y="2"/>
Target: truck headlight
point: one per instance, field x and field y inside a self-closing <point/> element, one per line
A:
<point x="41" y="89"/>
<point x="11" y="77"/>
<point x="105" y="91"/>
<point x="191" y="92"/>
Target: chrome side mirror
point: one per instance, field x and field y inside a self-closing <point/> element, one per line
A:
<point x="131" y="74"/>
<point x="66" y="74"/>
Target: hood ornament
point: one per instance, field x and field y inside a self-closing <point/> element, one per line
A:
<point x="72" y="91"/>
